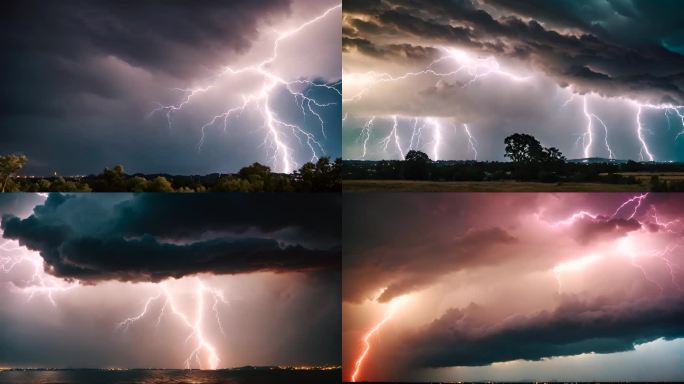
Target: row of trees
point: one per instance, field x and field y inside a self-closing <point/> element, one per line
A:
<point x="321" y="176"/>
<point x="530" y="161"/>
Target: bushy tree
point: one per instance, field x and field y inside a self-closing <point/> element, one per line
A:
<point x="417" y="165"/>
<point x="10" y="165"/>
<point x="159" y="184"/>
<point x="323" y="176"/>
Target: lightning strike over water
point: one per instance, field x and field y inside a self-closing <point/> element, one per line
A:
<point x="278" y="131"/>
<point x="196" y="328"/>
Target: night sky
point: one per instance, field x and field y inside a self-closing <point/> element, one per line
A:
<point x="507" y="66"/>
<point x="508" y="287"/>
<point x="240" y="279"/>
<point x="81" y="80"/>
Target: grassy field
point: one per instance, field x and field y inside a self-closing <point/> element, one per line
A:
<point x="645" y="177"/>
<point x="484" y="186"/>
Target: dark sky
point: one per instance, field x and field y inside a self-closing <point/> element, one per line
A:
<point x="514" y="286"/>
<point x="618" y="53"/>
<point x="80" y="79"/>
<point x="260" y="272"/>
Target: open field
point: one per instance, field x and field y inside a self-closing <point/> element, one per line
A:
<point x="484" y="186"/>
<point x="645" y="177"/>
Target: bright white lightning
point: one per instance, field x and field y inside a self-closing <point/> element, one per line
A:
<point x="463" y="62"/>
<point x="588" y="136"/>
<point x="282" y="155"/>
<point x="365" y="135"/>
<point x="393" y="136"/>
<point x="12" y="255"/>
<point x="663" y="107"/>
<point x="437" y="137"/>
<point x="457" y="62"/>
<point x="196" y="325"/>
<point x="471" y="140"/>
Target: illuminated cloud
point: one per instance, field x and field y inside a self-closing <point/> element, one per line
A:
<point x="105" y="83"/>
<point x="495" y="280"/>
<point x="169" y="280"/>
<point x="398" y="60"/>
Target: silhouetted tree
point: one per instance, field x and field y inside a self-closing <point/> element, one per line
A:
<point x="523" y="148"/>
<point x="319" y="177"/>
<point x="10" y="165"/>
<point x="417" y="165"/>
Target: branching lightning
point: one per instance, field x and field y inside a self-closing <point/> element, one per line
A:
<point x="630" y="209"/>
<point x="196" y="327"/>
<point x="203" y="354"/>
<point x="277" y="129"/>
<point x="457" y="62"/>
<point x="12" y="256"/>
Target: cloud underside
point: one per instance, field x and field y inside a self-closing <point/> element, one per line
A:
<point x="462" y="338"/>
<point x="569" y="49"/>
<point x="152" y="237"/>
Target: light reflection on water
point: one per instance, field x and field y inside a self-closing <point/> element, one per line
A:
<point x="170" y="377"/>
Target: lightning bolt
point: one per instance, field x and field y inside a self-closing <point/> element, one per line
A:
<point x="471" y="140"/>
<point x="203" y="346"/>
<point x="437" y="140"/>
<point x="589" y="133"/>
<point x="358" y="365"/>
<point x="393" y="136"/>
<point x="260" y="99"/>
<point x="640" y="129"/>
<point x="456" y="62"/>
<point x="632" y="252"/>
<point x="13" y="255"/>
<point x="365" y="135"/>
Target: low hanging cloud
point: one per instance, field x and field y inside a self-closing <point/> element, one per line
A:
<point x="150" y="237"/>
<point x="461" y="337"/>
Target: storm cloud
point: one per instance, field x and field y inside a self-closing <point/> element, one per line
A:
<point x="460" y="338"/>
<point x="149" y="237"/>
<point x="616" y="55"/>
<point x="86" y="76"/>
<point x="472" y="286"/>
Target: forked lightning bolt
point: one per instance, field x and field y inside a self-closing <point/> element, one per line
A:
<point x="13" y="256"/>
<point x="282" y="154"/>
<point x="195" y="323"/>
<point x="630" y="209"/>
<point x="457" y="62"/>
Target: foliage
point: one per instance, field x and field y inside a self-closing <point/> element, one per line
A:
<point x="322" y="176"/>
<point x="10" y="165"/>
<point x="417" y="165"/>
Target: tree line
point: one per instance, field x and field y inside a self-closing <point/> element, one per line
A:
<point x="530" y="161"/>
<point x="322" y="176"/>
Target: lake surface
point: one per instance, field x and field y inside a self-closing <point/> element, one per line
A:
<point x="94" y="376"/>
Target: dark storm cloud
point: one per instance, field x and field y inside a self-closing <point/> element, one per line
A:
<point x="602" y="58"/>
<point x="395" y="252"/>
<point x="51" y="46"/>
<point x="151" y="237"/>
<point x="587" y="230"/>
<point x="81" y="78"/>
<point x="464" y="338"/>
